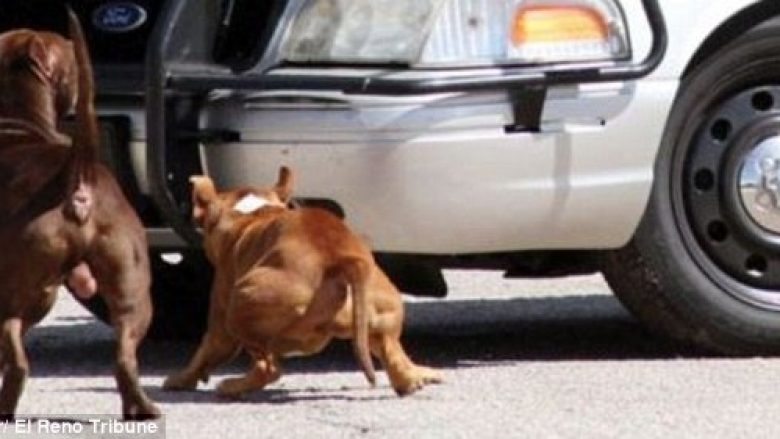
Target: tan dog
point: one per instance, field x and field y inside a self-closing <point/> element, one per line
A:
<point x="61" y="212"/>
<point x="287" y="281"/>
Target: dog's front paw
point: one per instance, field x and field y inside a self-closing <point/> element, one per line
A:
<point x="232" y="388"/>
<point x="180" y="382"/>
<point x="429" y="375"/>
<point x="419" y="377"/>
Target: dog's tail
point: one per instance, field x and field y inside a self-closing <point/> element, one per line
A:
<point x="86" y="137"/>
<point x="357" y="272"/>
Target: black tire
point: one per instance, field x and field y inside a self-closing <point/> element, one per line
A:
<point x="180" y="296"/>
<point x="700" y="268"/>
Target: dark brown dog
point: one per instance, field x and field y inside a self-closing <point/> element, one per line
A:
<point x="287" y="281"/>
<point x="60" y="208"/>
<point x="30" y="60"/>
<point x="38" y="86"/>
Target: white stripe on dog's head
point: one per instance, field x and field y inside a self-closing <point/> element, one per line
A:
<point x="251" y="203"/>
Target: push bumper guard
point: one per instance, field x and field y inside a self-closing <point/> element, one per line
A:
<point x="527" y="84"/>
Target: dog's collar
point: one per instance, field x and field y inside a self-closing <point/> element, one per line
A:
<point x="251" y="203"/>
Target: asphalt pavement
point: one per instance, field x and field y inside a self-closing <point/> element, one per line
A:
<point x="522" y="359"/>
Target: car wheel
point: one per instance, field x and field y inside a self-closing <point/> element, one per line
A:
<point x="180" y="296"/>
<point x="704" y="263"/>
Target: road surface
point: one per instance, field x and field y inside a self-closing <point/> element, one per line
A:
<point x="522" y="359"/>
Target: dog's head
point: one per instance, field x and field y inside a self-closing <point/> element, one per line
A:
<point x="215" y="211"/>
<point x="46" y="56"/>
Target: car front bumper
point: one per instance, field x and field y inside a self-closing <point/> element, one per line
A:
<point x="439" y="174"/>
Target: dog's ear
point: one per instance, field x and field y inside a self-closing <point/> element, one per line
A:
<point x="203" y="194"/>
<point x="42" y="58"/>
<point x="284" y="186"/>
<point x="67" y="85"/>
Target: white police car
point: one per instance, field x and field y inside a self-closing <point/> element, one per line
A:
<point x="544" y="137"/>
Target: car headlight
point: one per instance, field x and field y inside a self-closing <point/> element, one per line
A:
<point x="441" y="33"/>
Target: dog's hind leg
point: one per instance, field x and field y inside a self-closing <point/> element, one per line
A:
<point x="121" y="268"/>
<point x="136" y="405"/>
<point x="16" y="367"/>
<point x="405" y="376"/>
<point x="326" y="303"/>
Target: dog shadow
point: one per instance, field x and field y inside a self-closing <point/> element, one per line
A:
<point x="274" y="396"/>
<point x="444" y="334"/>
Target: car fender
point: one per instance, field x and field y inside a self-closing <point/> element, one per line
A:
<point x="689" y="24"/>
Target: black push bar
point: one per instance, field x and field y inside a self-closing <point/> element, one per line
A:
<point x="161" y="81"/>
<point x="507" y="77"/>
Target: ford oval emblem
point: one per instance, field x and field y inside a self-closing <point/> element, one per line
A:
<point x="119" y="17"/>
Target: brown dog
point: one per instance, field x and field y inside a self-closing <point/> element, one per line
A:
<point x="287" y="281"/>
<point x="29" y="60"/>
<point x="38" y="86"/>
<point x="60" y="208"/>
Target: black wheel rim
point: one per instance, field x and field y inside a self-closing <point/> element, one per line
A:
<point x="728" y="195"/>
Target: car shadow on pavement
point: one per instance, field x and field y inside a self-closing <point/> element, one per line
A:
<point x="594" y="327"/>
<point x="445" y="334"/>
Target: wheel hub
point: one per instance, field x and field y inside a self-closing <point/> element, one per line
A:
<point x="759" y="184"/>
<point x="731" y="192"/>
